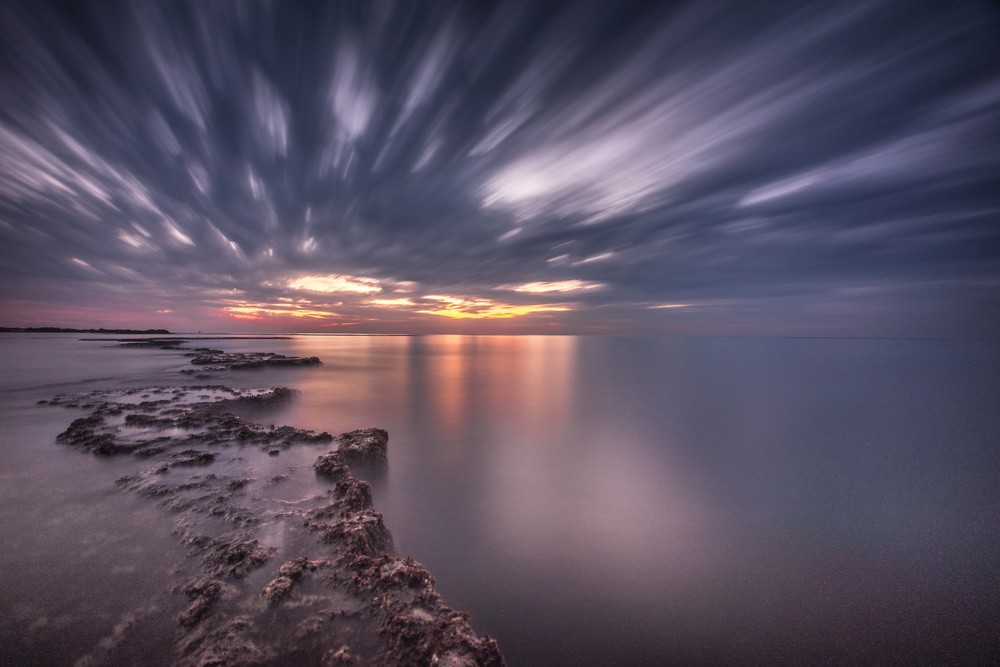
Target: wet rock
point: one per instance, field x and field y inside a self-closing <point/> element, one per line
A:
<point x="367" y="448"/>
<point x="359" y="452"/>
<point x="357" y="534"/>
<point x="288" y="575"/>
<point x="88" y="434"/>
<point x="295" y="568"/>
<point x="438" y="639"/>
<point x="276" y="396"/>
<point x="192" y="457"/>
<point x="153" y="343"/>
<point x="417" y="625"/>
<point x="149" y="421"/>
<point x="250" y="360"/>
<point x="203" y="593"/>
<point x="207" y="421"/>
<point x="238" y="484"/>
<point x="330" y="465"/>
<point x="354" y="494"/>
<point x="277" y="590"/>
<point x="236" y="557"/>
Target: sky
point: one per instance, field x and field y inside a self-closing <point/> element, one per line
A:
<point x="587" y="166"/>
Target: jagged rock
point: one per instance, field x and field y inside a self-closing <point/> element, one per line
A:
<point x="208" y="421"/>
<point x="354" y="494"/>
<point x="86" y="433"/>
<point x="238" y="484"/>
<point x="236" y="557"/>
<point x="330" y="465"/>
<point x="361" y="451"/>
<point x="249" y="360"/>
<point x="357" y="534"/>
<point x="203" y="593"/>
<point x="367" y="448"/>
<point x="277" y="590"/>
<point x="296" y="567"/>
<point x="192" y="457"/>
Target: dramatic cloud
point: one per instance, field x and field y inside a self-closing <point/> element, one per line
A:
<point x="462" y="308"/>
<point x="622" y="167"/>
<point x="335" y="283"/>
<point x="560" y="286"/>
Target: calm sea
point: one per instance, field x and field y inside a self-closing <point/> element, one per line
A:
<point x="590" y="500"/>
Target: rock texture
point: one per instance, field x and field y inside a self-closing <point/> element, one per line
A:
<point x="365" y="450"/>
<point x="219" y="360"/>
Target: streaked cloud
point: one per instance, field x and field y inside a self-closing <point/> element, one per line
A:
<point x="391" y="302"/>
<point x="328" y="284"/>
<point x="465" y="308"/>
<point x="599" y="257"/>
<point x="271" y="311"/>
<point x="357" y="153"/>
<point x="558" y="286"/>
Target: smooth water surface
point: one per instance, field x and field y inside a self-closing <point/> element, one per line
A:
<point x="598" y="500"/>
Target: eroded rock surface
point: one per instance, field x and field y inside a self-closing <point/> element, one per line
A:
<point x="150" y="421"/>
<point x="218" y="360"/>
<point x="273" y="577"/>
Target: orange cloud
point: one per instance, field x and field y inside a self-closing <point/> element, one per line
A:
<point x="263" y="311"/>
<point x="459" y="308"/>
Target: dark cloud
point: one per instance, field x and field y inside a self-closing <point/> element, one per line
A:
<point x="803" y="164"/>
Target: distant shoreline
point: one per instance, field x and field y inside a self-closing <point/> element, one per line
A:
<point x="94" y="331"/>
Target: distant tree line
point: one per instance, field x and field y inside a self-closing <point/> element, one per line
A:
<point x="94" y="331"/>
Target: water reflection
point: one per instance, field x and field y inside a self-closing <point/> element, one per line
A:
<point x="363" y="382"/>
<point x="623" y="500"/>
<point x="446" y="383"/>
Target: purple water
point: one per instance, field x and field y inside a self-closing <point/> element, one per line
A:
<point x="589" y="500"/>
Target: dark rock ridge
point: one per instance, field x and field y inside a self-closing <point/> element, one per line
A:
<point x="220" y="360"/>
<point x="134" y="422"/>
<point x="270" y="581"/>
<point x="211" y="361"/>
<point x="365" y="449"/>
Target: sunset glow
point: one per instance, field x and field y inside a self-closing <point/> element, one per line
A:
<point x="450" y="167"/>
<point x="461" y="308"/>
<point x="261" y="312"/>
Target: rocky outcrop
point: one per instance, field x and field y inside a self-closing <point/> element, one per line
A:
<point x="203" y="593"/>
<point x="331" y="591"/>
<point x="219" y="360"/>
<point x="364" y="451"/>
<point x="133" y="422"/>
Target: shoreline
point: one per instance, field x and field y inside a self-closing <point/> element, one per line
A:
<point x="330" y="591"/>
